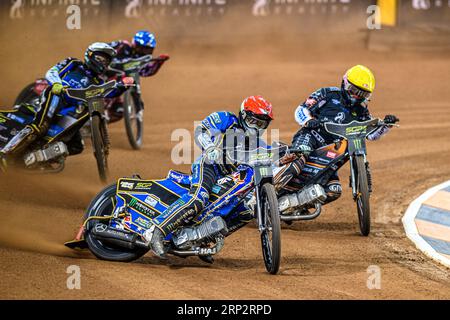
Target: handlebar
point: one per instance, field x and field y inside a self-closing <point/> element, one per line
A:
<point x="92" y="92"/>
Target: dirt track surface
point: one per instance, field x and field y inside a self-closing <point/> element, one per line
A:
<point x="322" y="259"/>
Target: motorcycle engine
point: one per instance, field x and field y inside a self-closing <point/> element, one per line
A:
<point x="188" y="237"/>
<point x="305" y="198"/>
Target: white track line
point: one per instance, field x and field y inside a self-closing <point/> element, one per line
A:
<point x="411" y="228"/>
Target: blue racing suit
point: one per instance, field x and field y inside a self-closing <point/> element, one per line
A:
<point x="211" y="133"/>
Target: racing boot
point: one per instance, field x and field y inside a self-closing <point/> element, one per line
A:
<point x="155" y="238"/>
<point x="20" y="141"/>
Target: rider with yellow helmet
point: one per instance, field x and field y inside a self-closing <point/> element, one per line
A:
<point x="339" y="105"/>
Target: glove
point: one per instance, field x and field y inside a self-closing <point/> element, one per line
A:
<point x="213" y="155"/>
<point x="391" y="119"/>
<point x="127" y="81"/>
<point x="288" y="159"/>
<point x="57" y="88"/>
<point x="312" y="124"/>
<point x="163" y="57"/>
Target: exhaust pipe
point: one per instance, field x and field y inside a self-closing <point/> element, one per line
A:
<point x="117" y="237"/>
<point x="311" y="216"/>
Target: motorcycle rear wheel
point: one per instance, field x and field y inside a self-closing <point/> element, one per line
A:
<point x="28" y="96"/>
<point x="103" y="205"/>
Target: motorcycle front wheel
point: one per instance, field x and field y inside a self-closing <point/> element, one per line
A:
<point x="363" y="197"/>
<point x="271" y="234"/>
<point x="100" y="145"/>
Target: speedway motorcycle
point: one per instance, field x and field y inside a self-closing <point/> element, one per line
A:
<point x="350" y="146"/>
<point x="134" y="107"/>
<point x="119" y="215"/>
<point x="48" y="153"/>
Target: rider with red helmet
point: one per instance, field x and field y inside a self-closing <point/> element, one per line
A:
<point x="211" y="135"/>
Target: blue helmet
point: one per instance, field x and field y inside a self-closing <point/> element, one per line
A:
<point x="145" y="39"/>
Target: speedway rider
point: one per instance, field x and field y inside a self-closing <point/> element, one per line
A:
<point x="71" y="73"/>
<point x="143" y="44"/>
<point x="339" y="105"/>
<point x="254" y="117"/>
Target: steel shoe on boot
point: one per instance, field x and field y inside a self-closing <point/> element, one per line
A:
<point x="155" y="238"/>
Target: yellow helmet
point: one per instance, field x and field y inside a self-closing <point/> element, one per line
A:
<point x="359" y="84"/>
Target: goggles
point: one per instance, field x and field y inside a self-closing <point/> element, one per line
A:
<point x="253" y="121"/>
<point x="356" y="92"/>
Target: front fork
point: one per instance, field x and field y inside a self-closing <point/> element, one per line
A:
<point x="259" y="216"/>
<point x="354" y="174"/>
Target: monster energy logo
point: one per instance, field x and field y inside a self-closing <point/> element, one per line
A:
<point x="140" y="207"/>
<point x="266" y="171"/>
<point x="358" y="144"/>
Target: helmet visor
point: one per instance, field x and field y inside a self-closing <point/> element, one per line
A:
<point x="143" y="50"/>
<point x="356" y="92"/>
<point x="102" y="59"/>
<point x="257" y="122"/>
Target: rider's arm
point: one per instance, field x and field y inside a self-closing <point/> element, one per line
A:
<point x="305" y="112"/>
<point x="378" y="133"/>
<point x="153" y="67"/>
<point x="302" y="115"/>
<point x="213" y="127"/>
<point x="58" y="71"/>
<point x="123" y="51"/>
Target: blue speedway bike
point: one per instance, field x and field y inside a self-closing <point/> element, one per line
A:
<point x="48" y="153"/>
<point x="119" y="215"/>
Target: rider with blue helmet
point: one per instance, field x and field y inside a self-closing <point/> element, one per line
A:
<point x="143" y="44"/>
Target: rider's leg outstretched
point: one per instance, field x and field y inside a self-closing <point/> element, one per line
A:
<point x="184" y="209"/>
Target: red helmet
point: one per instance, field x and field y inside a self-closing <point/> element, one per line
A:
<point x="256" y="113"/>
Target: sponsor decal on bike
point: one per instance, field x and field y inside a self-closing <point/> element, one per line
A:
<point x="143" y="223"/>
<point x="15" y="118"/>
<point x="143" y="185"/>
<point x="356" y="130"/>
<point x="216" y="189"/>
<point x="94" y="93"/>
<point x="135" y="204"/>
<point x="150" y="201"/>
<point x="331" y="154"/>
<point x="224" y="180"/>
<point x="127" y="185"/>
